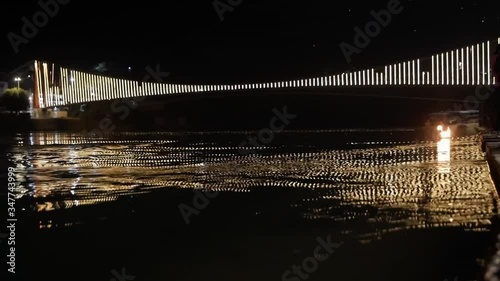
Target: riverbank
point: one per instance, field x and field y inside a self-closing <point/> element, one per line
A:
<point x="490" y="144"/>
<point x="13" y="123"/>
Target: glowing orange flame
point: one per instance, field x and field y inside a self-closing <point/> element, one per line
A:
<point x="444" y="134"/>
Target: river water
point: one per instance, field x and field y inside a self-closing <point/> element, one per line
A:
<point x="400" y="206"/>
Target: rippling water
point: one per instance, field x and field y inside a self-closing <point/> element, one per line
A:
<point x="372" y="183"/>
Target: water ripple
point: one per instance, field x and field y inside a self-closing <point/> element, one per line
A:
<point x="393" y="184"/>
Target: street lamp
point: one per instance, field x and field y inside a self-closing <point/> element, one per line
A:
<point x="18" y="80"/>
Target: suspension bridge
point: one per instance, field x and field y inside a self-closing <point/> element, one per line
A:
<point x="466" y="66"/>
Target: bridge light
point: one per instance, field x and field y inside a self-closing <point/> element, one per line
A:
<point x="390" y="75"/>
<point x="462" y="66"/>
<point x="404" y="73"/>
<point x="413" y="77"/>
<point x="399" y="73"/>
<point x="467" y="65"/>
<point x="418" y="72"/>
<point x="478" y="66"/>
<point x="488" y="60"/>
<point x="484" y="64"/>
<point x="447" y="68"/>
<point x="385" y="76"/>
<point x="452" y="67"/>
<point x="408" y="70"/>
<point x="442" y="69"/>
<point x="435" y="71"/>
<point x="458" y="66"/>
<point x="395" y="74"/>
<point x="473" y="67"/>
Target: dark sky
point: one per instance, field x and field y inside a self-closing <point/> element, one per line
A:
<point x="258" y="40"/>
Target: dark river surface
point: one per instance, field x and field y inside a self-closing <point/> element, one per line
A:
<point x="310" y="205"/>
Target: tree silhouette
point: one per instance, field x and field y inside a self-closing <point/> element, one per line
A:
<point x="15" y="99"/>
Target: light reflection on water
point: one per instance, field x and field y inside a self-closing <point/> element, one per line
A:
<point x="393" y="185"/>
<point x="444" y="155"/>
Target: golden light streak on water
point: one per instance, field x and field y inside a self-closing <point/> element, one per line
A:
<point x="392" y="184"/>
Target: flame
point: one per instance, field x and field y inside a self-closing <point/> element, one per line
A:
<point x="444" y="134"/>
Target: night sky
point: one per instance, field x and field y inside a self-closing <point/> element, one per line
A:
<point x="258" y="40"/>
